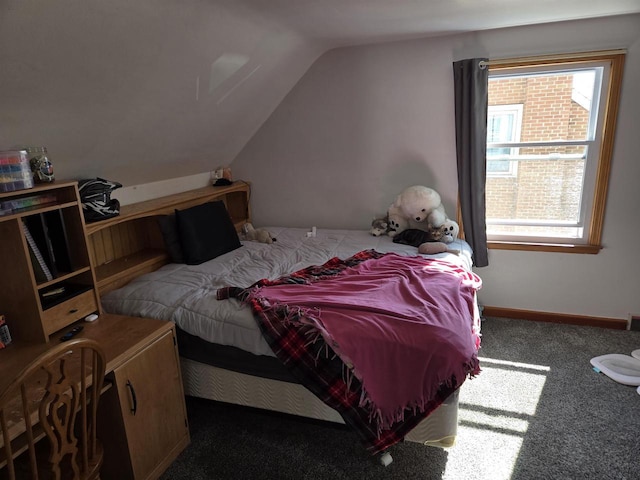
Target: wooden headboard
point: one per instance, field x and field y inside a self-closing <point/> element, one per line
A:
<point x="124" y="247"/>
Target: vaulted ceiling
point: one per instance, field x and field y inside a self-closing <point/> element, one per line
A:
<point x="139" y="91"/>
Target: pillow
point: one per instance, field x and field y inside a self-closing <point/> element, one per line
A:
<point x="169" y="229"/>
<point x="206" y="231"/>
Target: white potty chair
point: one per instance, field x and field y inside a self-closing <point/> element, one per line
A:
<point x="623" y="369"/>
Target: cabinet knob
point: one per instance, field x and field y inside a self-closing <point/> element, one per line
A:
<point x="73" y="310"/>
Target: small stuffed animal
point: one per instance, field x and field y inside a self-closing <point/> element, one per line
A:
<point x="451" y="230"/>
<point x="446" y="233"/>
<point x="257" y="235"/>
<point x="379" y="226"/>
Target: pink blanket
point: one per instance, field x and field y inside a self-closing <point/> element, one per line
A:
<point x="405" y="325"/>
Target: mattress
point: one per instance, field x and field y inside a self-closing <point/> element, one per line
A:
<point x="186" y="294"/>
<point x="231" y="358"/>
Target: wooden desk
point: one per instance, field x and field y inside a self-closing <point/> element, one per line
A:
<point x="142" y="419"/>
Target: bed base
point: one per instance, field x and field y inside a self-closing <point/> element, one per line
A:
<point x="213" y="383"/>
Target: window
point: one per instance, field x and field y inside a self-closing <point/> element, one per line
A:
<point x="504" y="123"/>
<point x="550" y="127"/>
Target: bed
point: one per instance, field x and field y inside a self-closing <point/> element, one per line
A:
<point x="183" y="294"/>
<point x="224" y="354"/>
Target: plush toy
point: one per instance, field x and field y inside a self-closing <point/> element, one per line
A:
<point x="431" y="248"/>
<point x="379" y="226"/>
<point x="397" y="221"/>
<point x="451" y="230"/>
<point x="446" y="233"/>
<point x="420" y="204"/>
<point x="256" y="235"/>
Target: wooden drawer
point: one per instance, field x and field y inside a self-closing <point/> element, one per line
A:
<point x="68" y="312"/>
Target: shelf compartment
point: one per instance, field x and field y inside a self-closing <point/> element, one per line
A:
<point x="64" y="277"/>
<point x="36" y="210"/>
<point x="69" y="290"/>
<point x="120" y="271"/>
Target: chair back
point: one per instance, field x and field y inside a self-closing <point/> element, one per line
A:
<point x="48" y="414"/>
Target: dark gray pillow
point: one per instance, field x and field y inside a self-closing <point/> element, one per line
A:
<point x="206" y="231"/>
<point x="169" y="229"/>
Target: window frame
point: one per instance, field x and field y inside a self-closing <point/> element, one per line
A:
<point x="610" y="100"/>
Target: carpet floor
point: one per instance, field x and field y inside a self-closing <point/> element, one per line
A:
<point x="536" y="411"/>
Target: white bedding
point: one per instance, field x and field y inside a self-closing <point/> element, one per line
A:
<point x="186" y="294"/>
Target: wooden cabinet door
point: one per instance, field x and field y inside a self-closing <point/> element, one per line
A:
<point x="153" y="409"/>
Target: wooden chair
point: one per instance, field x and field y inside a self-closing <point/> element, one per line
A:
<point x="48" y="415"/>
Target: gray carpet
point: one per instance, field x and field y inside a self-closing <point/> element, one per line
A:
<point x="537" y="411"/>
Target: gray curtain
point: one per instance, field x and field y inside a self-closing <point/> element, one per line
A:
<point x="471" y="84"/>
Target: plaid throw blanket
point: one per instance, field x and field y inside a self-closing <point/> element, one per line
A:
<point x="297" y="342"/>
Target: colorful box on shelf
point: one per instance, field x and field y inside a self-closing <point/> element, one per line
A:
<point x="15" y="171"/>
<point x="26" y="203"/>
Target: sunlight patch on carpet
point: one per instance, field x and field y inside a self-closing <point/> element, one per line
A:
<point x="495" y="410"/>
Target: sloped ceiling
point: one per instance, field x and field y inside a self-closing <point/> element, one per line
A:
<point x="351" y="22"/>
<point x="140" y="91"/>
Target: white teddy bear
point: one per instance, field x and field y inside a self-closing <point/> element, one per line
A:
<point x="421" y="205"/>
<point x="416" y="207"/>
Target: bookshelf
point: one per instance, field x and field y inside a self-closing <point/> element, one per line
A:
<point x="48" y="281"/>
<point x="131" y="244"/>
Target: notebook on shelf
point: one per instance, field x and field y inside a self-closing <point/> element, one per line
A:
<point x="40" y="268"/>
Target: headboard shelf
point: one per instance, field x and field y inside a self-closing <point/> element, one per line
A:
<point x="126" y="246"/>
<point x="166" y="205"/>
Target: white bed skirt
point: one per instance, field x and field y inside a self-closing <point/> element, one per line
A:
<point x="204" y="381"/>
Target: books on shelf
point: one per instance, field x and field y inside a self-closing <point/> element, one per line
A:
<point x="58" y="240"/>
<point x="40" y="268"/>
<point x="49" y="247"/>
<point x="39" y="230"/>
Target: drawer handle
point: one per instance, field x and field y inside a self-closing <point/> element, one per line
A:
<point x="134" y="409"/>
<point x="73" y="310"/>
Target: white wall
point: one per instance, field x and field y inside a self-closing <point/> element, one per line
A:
<point x="364" y="122"/>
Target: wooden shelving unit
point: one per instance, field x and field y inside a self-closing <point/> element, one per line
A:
<point x="33" y="312"/>
<point x="131" y="244"/>
<point x="143" y="421"/>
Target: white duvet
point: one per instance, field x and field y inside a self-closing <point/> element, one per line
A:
<point x="186" y="294"/>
